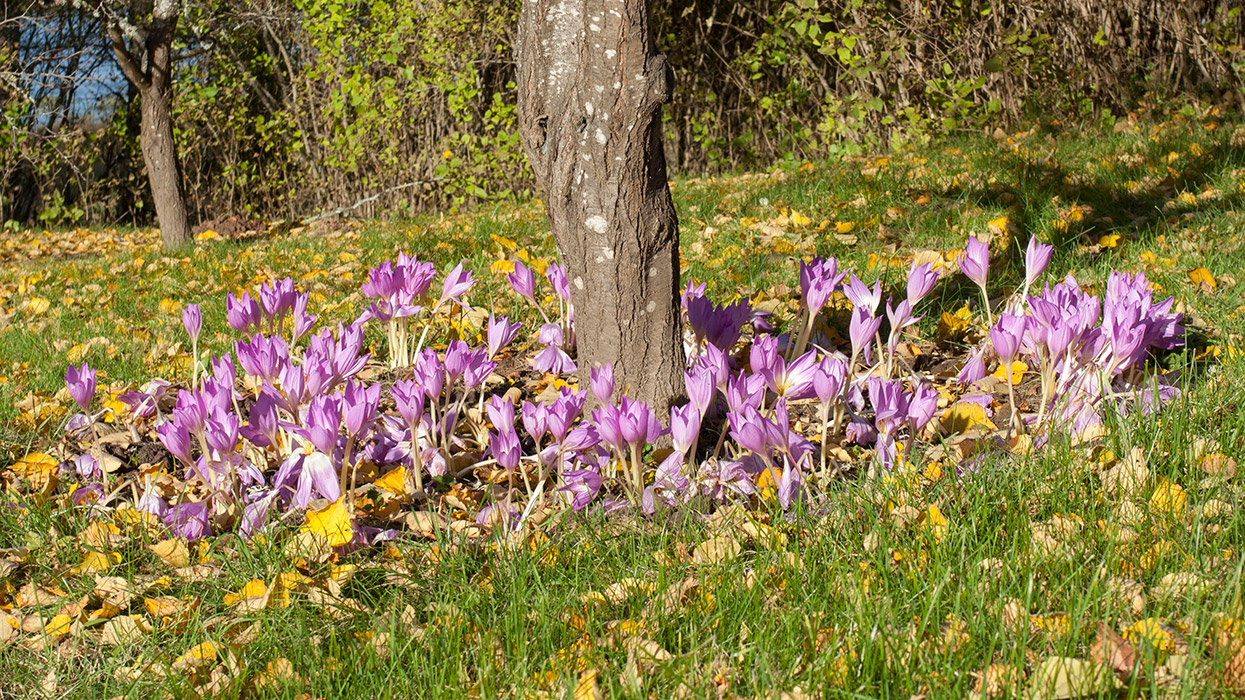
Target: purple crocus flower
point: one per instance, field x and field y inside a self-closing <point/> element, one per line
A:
<point x="795" y="380"/>
<point x="763" y="355"/>
<point x="1037" y="257"/>
<point x="975" y="263"/>
<point x="263" y="356"/>
<point x="582" y="485"/>
<point x="359" y="403"/>
<point x="720" y="326"/>
<point x="81" y="383"/>
<point x="523" y="282"/>
<point x="176" y="439"/>
<point x="818" y="280"/>
<point x="500" y="412"/>
<point x="974" y="369"/>
<point x="535" y="419"/>
<point x="301" y="473"/>
<point x="829" y="379"/>
<point x="862" y="329"/>
<point x="242" y="312"/>
<point x="263" y="426"/>
<point x="302" y="320"/>
<point x="192" y="321"/>
<point x="429" y="373"/>
<point x="501" y="332"/>
<point x="409" y="398"/>
<point x="457" y="282"/>
<point x="323" y="422"/>
<point x="553" y="358"/>
<point x="921" y="406"/>
<point x="684" y="426"/>
<point x="1006" y="336"/>
<point x="189" y="520"/>
<point x="861" y="296"/>
<point x="277" y="298"/>
<point x="921" y="281"/>
<point x="505" y="448"/>
<point x="701" y="388"/>
<point x="601" y="380"/>
<point x="557" y="277"/>
<point x="87" y="467"/>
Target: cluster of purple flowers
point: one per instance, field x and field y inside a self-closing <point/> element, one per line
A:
<point x="299" y="423"/>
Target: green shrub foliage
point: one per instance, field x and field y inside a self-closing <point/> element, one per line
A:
<point x="293" y="107"/>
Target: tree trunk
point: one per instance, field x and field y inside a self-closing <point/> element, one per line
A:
<point x="149" y="66"/>
<point x="163" y="173"/>
<point x="591" y="85"/>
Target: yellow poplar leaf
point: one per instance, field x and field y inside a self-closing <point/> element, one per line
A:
<point x="168" y="306"/>
<point x="207" y="235"/>
<point x="502" y="267"/>
<point x="173" y="552"/>
<point x="331" y="522"/>
<point x="503" y="242"/>
<point x="1018" y="372"/>
<point x="1001" y="226"/>
<point x="1169" y="497"/>
<point x="255" y="588"/>
<point x="1201" y="277"/>
<point x="844" y="227"/>
<point x="198" y="656"/>
<point x="936" y="523"/>
<point x="767" y="483"/>
<point x="37" y="305"/>
<point x="1110" y="240"/>
<point x="394" y="482"/>
<point x="798" y="219"/>
<point x="95" y="562"/>
<point x="965" y="416"/>
<point x="953" y="325"/>
<point x="35" y="467"/>
<point x="1151" y="632"/>
<point x="58" y="626"/>
<point x="342" y="573"/>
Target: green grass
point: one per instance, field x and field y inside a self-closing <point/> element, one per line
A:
<point x="850" y="598"/>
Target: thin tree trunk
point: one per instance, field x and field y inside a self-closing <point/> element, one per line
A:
<point x="591" y="85"/>
<point x="163" y="174"/>
<point x="151" y="70"/>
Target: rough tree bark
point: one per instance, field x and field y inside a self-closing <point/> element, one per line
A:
<point x="591" y="85"/>
<point x="147" y="62"/>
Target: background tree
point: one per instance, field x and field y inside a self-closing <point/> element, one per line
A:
<point x="591" y="85"/>
<point x="142" y="33"/>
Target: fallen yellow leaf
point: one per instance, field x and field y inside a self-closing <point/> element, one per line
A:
<point x="1201" y="278"/>
<point x="331" y="522"/>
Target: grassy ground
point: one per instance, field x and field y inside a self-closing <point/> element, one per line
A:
<point x="923" y="584"/>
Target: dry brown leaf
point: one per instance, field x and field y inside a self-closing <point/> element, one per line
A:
<point x="1128" y="476"/>
<point x="33" y="594"/>
<point x="1060" y="678"/>
<point x="716" y="550"/>
<point x="673" y="598"/>
<point x="1114" y="651"/>
<point x="1230" y="650"/>
<point x="276" y="673"/>
<point x="172" y="552"/>
<point x="620" y="591"/>
<point x="113" y="590"/>
<point x="587" y="687"/>
<point x="998" y="679"/>
<point x="124" y="630"/>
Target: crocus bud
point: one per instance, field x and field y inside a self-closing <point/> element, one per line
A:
<point x="522" y="282"/>
<point x="975" y="263"/>
<point x="81" y="383"/>
<point x="1037" y="257"/>
<point x="602" y="381"/>
<point x="192" y="320"/>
